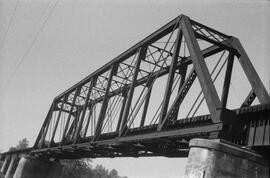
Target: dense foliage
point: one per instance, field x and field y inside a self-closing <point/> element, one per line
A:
<point x="81" y="168"/>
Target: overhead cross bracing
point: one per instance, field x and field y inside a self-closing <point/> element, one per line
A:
<point x="137" y="104"/>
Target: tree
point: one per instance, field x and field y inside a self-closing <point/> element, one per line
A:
<point x="23" y="143"/>
<point x="113" y="173"/>
<point x="101" y="172"/>
<point x="81" y="168"/>
<point x="12" y="148"/>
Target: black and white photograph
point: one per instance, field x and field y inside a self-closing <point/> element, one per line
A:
<point x="134" y="88"/>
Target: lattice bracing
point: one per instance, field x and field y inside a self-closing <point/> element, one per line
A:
<point x="148" y="100"/>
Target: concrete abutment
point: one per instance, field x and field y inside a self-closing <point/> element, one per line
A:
<point x="218" y="158"/>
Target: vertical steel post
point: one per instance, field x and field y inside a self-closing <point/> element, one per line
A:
<point x="72" y="129"/>
<point x="227" y="81"/>
<point x="104" y="103"/>
<point x="170" y="80"/>
<point x="57" y="120"/>
<point x="124" y="94"/>
<point x="142" y="53"/>
<point x="78" y="128"/>
<point x="88" y="120"/>
<point x="77" y="91"/>
<point x="149" y="85"/>
<point x="207" y="85"/>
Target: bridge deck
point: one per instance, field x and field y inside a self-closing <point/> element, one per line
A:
<point x="172" y="142"/>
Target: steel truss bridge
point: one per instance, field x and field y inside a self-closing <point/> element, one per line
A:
<point x="153" y="98"/>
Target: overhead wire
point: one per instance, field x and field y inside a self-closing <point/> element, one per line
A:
<point x="29" y="47"/>
<point x="9" y="25"/>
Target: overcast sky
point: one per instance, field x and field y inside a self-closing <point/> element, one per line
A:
<point x="81" y="36"/>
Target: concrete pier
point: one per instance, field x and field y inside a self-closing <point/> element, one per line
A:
<point x="218" y="158"/>
<point x="12" y="166"/>
<point x="5" y="165"/>
<point x="30" y="167"/>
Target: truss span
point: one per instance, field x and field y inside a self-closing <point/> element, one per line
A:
<point x="142" y="102"/>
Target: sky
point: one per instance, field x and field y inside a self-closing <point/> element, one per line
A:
<point x="81" y="36"/>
